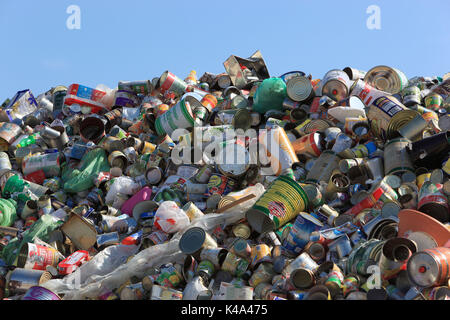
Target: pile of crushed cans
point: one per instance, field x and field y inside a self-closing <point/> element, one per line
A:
<point x="231" y="186"/>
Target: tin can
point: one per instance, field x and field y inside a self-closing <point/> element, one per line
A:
<point x="302" y="278"/>
<point x="168" y="82"/>
<point x="433" y="202"/>
<point x="367" y="93"/>
<point x="300" y="232"/>
<point x="214" y="255"/>
<point x="50" y="163"/>
<point x="234" y="264"/>
<point x="219" y="184"/>
<point x="351" y="283"/>
<point x="260" y="253"/>
<point x="20" y="280"/>
<point x="192" y="211"/>
<point x="139" y="87"/>
<point x="242" y="248"/>
<point x="118" y="159"/>
<point x="433" y="101"/>
<point x="275" y="143"/>
<point x="40" y="293"/>
<point x="335" y="84"/>
<point x="308" y="145"/>
<point x="429" y="267"/>
<point x="354" y="74"/>
<point x="194" y="239"/>
<point x="37" y="257"/>
<point x="387" y="79"/>
<point x="92" y="129"/>
<point x="395" y="254"/>
<point x="381" y="116"/>
<point x="303" y="260"/>
<point x="282" y="201"/>
<point x="299" y="88"/>
<point x="179" y="116"/>
<point x="125" y="98"/>
<point x="263" y="274"/>
<point x="396" y="157"/>
<point x="239" y="118"/>
<point x="209" y="101"/>
<point x="323" y="167"/>
<point x="5" y="164"/>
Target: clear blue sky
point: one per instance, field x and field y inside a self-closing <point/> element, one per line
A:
<point x="137" y="39"/>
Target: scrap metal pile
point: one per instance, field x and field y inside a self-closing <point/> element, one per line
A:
<point x="231" y="186"/>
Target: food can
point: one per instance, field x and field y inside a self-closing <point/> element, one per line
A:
<point x="234" y="264"/>
<point x="283" y="200"/>
<point x="335" y="84"/>
<point x="219" y="184"/>
<point x="396" y="157"/>
<point x="139" y="87"/>
<point x="179" y="116"/>
<point x="194" y="240"/>
<point x="323" y="167"/>
<point x="433" y="201"/>
<point x="308" y="145"/>
<point x="118" y="159"/>
<point x="387" y="79"/>
<point x="20" y="280"/>
<point x="299" y="88"/>
<point x="260" y="253"/>
<point x="299" y="234"/>
<point x="37" y="257"/>
<point x="429" y="267"/>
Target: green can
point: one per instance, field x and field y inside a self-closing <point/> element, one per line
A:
<point x="283" y="201"/>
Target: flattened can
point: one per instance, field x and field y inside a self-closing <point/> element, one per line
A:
<point x="283" y="200"/>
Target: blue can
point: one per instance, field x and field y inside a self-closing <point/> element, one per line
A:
<point x="77" y="151"/>
<point x="300" y="232"/>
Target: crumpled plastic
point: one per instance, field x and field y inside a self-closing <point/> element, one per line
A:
<point x="105" y="272"/>
<point x="92" y="164"/>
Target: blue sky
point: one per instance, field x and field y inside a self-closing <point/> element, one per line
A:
<point x="137" y="39"/>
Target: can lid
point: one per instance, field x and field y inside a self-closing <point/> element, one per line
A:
<point x="408" y="176"/>
<point x="192" y="240"/>
<point x="390" y="209"/>
<point x="393" y="181"/>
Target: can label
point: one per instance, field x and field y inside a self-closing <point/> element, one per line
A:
<point x="49" y="163"/>
<point x="40" y="256"/>
<point x="169" y="277"/>
<point x="219" y="184"/>
<point x="282" y="201"/>
<point x="179" y="116"/>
